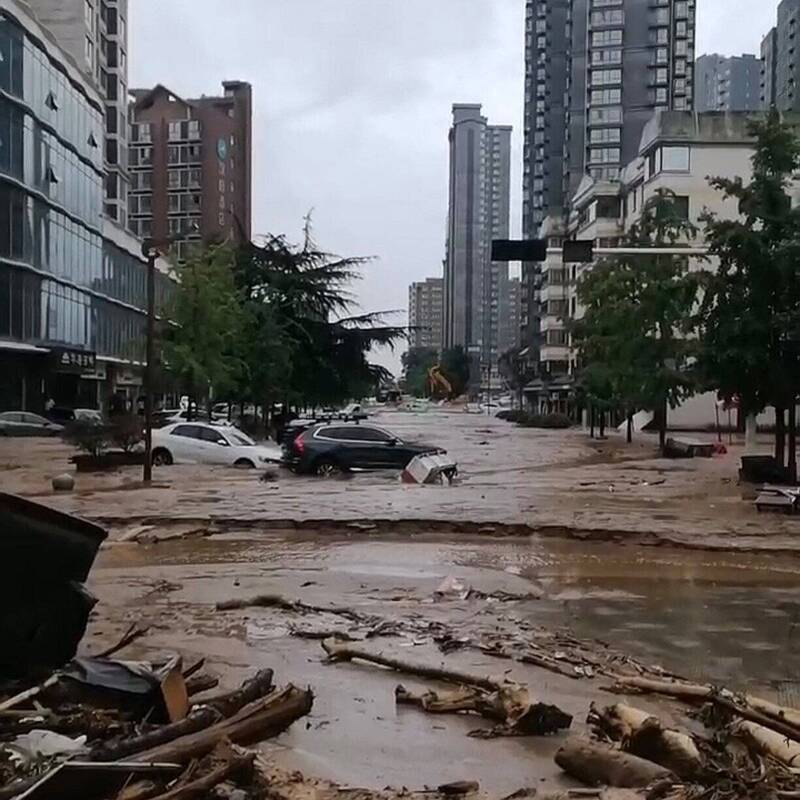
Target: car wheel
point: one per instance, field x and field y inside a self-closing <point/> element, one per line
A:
<point x="162" y="457"/>
<point x="244" y="463"/>
<point x="327" y="468"/>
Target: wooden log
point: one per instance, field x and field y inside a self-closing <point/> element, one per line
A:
<point x="767" y="742"/>
<point x="338" y="651"/>
<point x="643" y="735"/>
<point x="197" y="720"/>
<point x="201" y="683"/>
<point x="512" y="706"/>
<point x="259" y="720"/>
<point x="28" y="694"/>
<point x="762" y="712"/>
<point x="238" y="765"/>
<point x="141" y="790"/>
<point x="133" y="633"/>
<point x="228" y="703"/>
<point x="598" y="764"/>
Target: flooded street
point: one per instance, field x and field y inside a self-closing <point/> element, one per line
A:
<point x="730" y="619"/>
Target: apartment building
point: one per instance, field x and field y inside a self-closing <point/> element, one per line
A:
<point x="780" y="55"/>
<point x="425" y="308"/>
<point x="476" y="288"/>
<point x="191" y="166"/>
<point x="728" y="83"/>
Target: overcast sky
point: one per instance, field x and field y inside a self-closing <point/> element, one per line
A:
<point x="352" y="106"/>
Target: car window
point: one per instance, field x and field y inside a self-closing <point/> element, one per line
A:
<point x="363" y="434"/>
<point x="32" y="419"/>
<point x="338" y="434"/>
<point x="210" y="435"/>
<point x="9" y="416"/>
<point x="189" y="431"/>
<point x="240" y="438"/>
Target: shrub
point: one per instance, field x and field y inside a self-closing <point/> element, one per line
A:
<point x="512" y="415"/>
<point x="90" y="437"/>
<point x="127" y="431"/>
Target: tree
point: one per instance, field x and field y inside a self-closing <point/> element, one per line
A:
<point x="305" y="344"/>
<point x="455" y="365"/>
<point x="417" y="363"/>
<point x="635" y="337"/>
<point x="200" y="347"/>
<point x="749" y="315"/>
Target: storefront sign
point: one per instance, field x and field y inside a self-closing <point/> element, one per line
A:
<point x="73" y="361"/>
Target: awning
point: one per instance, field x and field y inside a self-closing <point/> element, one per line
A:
<point x="21" y="347"/>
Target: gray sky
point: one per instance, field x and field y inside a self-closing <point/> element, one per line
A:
<point x="352" y="106"/>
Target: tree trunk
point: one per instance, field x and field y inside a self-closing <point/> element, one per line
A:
<point x="750" y="434"/>
<point x="767" y="742"/>
<point x="602" y="423"/>
<point x="662" y="424"/>
<point x="597" y="764"/>
<point x="792" y="430"/>
<point x="200" y="788"/>
<point x="780" y="436"/>
<point x="591" y="421"/>
<point x="629" y="434"/>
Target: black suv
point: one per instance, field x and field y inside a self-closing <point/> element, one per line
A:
<point x="335" y="447"/>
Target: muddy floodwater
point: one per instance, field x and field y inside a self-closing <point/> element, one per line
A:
<point x="729" y="619"/>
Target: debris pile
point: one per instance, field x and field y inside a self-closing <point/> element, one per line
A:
<point x="132" y="730"/>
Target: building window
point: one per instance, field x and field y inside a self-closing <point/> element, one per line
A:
<point x="603" y="135"/>
<point x="603" y="38"/>
<point x="89" y="51"/>
<point x="661" y="75"/>
<point x="174" y="131"/>
<point x="680" y="47"/>
<point x="602" y="77"/>
<point x="612" y="56"/>
<point x="194" y="128"/>
<point x="604" y="97"/>
<point x="661" y="96"/>
<point x="605" y="116"/>
<point x="614" y="16"/>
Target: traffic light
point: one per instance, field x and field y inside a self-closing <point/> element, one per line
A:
<point x="515" y="250"/>
<point x="578" y="251"/>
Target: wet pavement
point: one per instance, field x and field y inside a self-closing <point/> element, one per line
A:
<point x="553" y="482"/>
<point x="726" y="619"/>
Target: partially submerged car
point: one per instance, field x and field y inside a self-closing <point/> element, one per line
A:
<point x="203" y="443"/>
<point x="335" y="447"/>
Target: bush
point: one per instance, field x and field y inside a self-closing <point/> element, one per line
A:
<point x="512" y="415"/>
<point x="127" y="431"/>
<point x="552" y="421"/>
<point x="90" y="437"/>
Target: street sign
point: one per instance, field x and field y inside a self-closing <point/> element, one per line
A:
<point x="72" y="361"/>
<point x="578" y="251"/>
<point x="519" y="250"/>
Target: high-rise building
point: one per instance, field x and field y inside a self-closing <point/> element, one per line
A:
<point x="727" y="83"/>
<point x="475" y="287"/>
<point x="73" y="284"/>
<point x="769" y="64"/>
<point x="191" y="165"/>
<point x="510" y="322"/>
<point x="425" y="301"/>
<point x="781" y="59"/>
<point x="596" y="70"/>
<point x="95" y="34"/>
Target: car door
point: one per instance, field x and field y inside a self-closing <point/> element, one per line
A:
<point x="372" y="447"/>
<point x="35" y="425"/>
<point x="184" y="443"/>
<point x="216" y="449"/>
<point x="10" y="423"/>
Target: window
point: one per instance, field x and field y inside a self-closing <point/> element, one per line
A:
<point x="604" y="155"/>
<point x="174" y="131"/>
<point x="675" y="159"/>
<point x="188" y="431"/>
<point x="194" y="129"/>
<point x="613" y="16"/>
<point x="680" y="47"/>
<point x="661" y="96"/>
<point x="662" y="54"/>
<point x="89" y="51"/>
<point x="604" y="116"/>
<point x="215" y="437"/>
<point x="601" y="77"/>
<point x="601" y="135"/>
<point x="680" y="28"/>
<point x="602" y="97"/>
<point x="662" y="35"/>
<point x="681" y="205"/>
<point x="612" y="56"/>
<point x="602" y="38"/>
<point x="337" y="434"/>
<point x="681" y="9"/>
<point x="661" y="16"/>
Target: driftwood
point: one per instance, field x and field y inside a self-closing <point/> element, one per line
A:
<point x="228" y="703"/>
<point x="197" y="720"/>
<point x="510" y="705"/>
<point x="235" y="766"/>
<point x="767" y="742"/>
<point x="338" y="651"/>
<point x="644" y="735"/>
<point x="755" y="709"/>
<point x="598" y="764"/>
<point x="28" y="694"/>
<point x="259" y="720"/>
<point x="283" y="603"/>
<point x="133" y="633"/>
<point x="141" y="790"/>
<point x="201" y="683"/>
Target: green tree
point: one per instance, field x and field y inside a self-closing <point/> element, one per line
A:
<point x="749" y="314"/>
<point x="306" y="345"/>
<point x="200" y="347"/>
<point x="417" y="363"/>
<point x="455" y="365"/>
<point x="636" y="332"/>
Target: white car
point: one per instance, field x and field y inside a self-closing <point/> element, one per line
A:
<point x="201" y="443"/>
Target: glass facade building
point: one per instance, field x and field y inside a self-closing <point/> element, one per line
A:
<point x="69" y="279"/>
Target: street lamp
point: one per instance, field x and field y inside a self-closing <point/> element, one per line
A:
<point x="150" y="250"/>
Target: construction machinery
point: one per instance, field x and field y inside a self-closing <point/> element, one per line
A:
<point x="438" y="383"/>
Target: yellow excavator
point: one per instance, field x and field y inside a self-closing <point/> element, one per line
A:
<point x="439" y="385"/>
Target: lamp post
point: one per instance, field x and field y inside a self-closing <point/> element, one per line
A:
<point x="150" y="250"/>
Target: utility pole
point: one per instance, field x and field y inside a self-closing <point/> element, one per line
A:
<point x="150" y="250"/>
